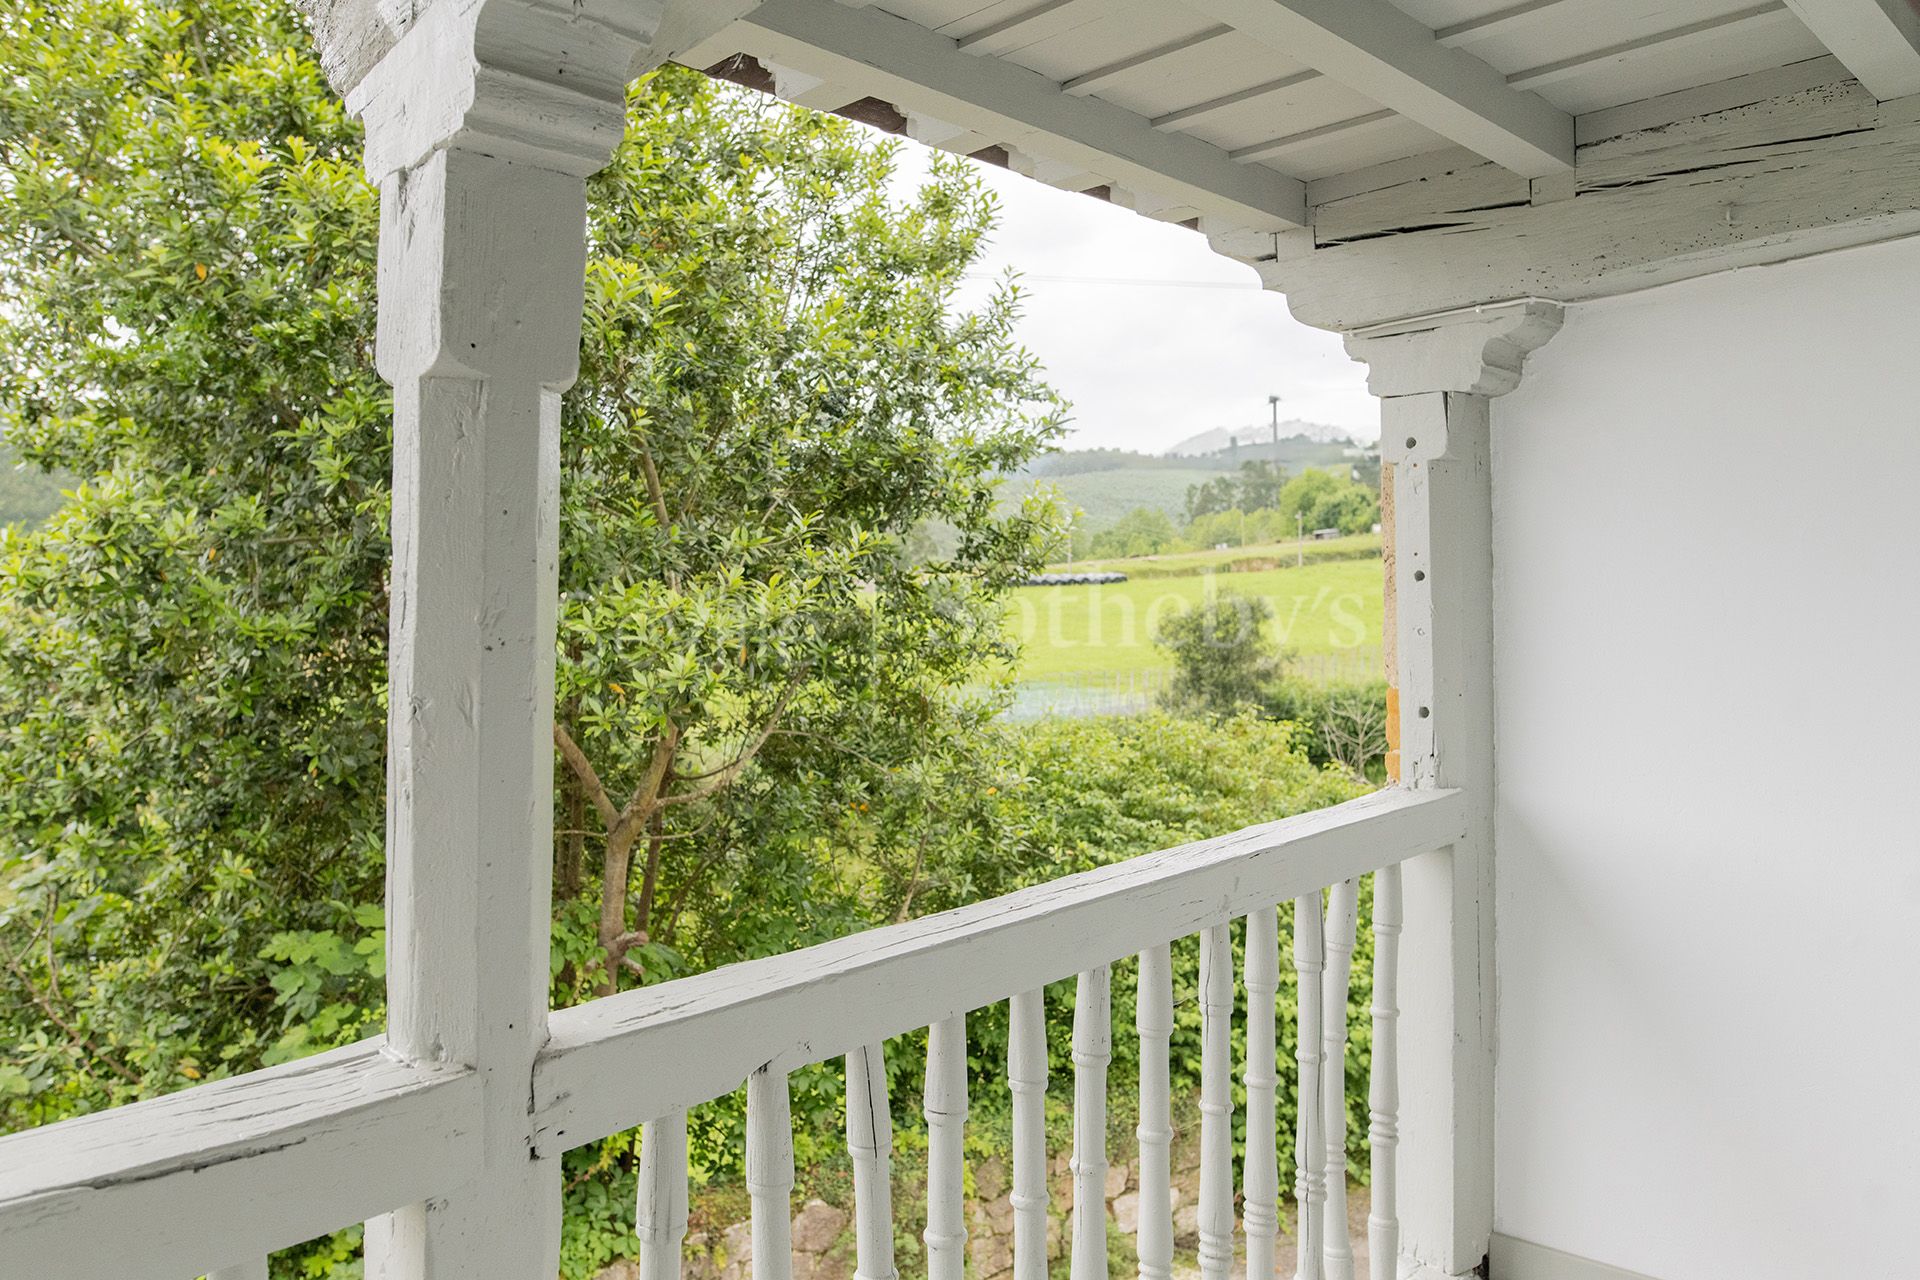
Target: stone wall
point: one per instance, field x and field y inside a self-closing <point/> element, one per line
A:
<point x="823" y="1243"/>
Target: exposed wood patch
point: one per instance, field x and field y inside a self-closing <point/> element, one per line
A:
<point x="743" y="69"/>
<point x="1820" y="168"/>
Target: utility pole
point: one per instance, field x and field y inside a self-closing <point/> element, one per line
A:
<point x="1273" y="403"/>
<point x="1300" y="541"/>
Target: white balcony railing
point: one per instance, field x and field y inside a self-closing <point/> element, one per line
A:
<point x="218" y="1176"/>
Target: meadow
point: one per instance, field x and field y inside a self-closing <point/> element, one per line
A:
<point x="1328" y="608"/>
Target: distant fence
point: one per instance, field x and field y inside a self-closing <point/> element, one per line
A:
<point x="1121" y="693"/>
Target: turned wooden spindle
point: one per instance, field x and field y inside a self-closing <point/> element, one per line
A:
<point x="1342" y="906"/>
<point x="870" y="1145"/>
<point x="1154" y="1021"/>
<point x="1027" y="1078"/>
<point x="1092" y="1050"/>
<point x="1216" y="1103"/>
<point x="770" y="1173"/>
<point x="1383" y="1092"/>
<point x="660" y="1208"/>
<point x="946" y="1112"/>
<point x="1260" y="1175"/>
<point x="1310" y="1150"/>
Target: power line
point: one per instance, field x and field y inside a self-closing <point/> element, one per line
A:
<point x="1120" y="281"/>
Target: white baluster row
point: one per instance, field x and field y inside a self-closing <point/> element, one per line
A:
<point x="1322" y="954"/>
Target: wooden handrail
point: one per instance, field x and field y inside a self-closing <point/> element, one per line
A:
<point x="222" y="1173"/>
<point x="624" y="1059"/>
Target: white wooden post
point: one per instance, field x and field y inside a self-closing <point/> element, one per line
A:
<point x="1216" y="1103"/>
<point x="1027" y="1079"/>
<point x="481" y="150"/>
<point x="1435" y="377"/>
<point x="1383" y="1079"/>
<point x="946" y="1112"/>
<point x="770" y="1173"/>
<point x="660" y="1209"/>
<point x="870" y="1144"/>
<point x="1342" y="906"/>
<point x="1092" y="1050"/>
<point x="1260" y="1181"/>
<point x="1153" y="1019"/>
<point x="1309" y="1150"/>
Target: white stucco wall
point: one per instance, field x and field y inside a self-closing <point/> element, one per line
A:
<point x="1707" y="540"/>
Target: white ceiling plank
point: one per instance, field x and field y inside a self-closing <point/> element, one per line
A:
<point x="1707" y="29"/>
<point x="1100" y="77"/>
<point x="1373" y="48"/>
<point x="1272" y="147"/>
<point x="1187" y="117"/>
<point x="923" y="72"/>
<point x="1512" y="18"/>
<point x="1878" y="40"/>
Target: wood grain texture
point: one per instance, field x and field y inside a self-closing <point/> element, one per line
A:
<point x="1342" y="908"/>
<point x="1260" y="1177"/>
<point x="1153" y="1020"/>
<point x="614" y="1062"/>
<point x="660" y="1209"/>
<point x="225" y="1172"/>
<point x="946" y="1112"/>
<point x="870" y="1146"/>
<point x="1027" y="1080"/>
<point x="1216" y="1103"/>
<point x="1092" y="1051"/>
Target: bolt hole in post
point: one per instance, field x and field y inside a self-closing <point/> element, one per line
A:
<point x="1419" y="575"/>
<point x="1425" y="712"/>
<point x="1411" y="442"/>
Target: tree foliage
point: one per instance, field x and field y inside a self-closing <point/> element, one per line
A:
<point x="776" y="389"/>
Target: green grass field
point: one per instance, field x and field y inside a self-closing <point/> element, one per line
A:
<point x="1271" y="555"/>
<point x="1322" y="609"/>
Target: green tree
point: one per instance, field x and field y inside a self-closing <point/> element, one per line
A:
<point x="1317" y="499"/>
<point x="776" y="389"/>
<point x="1143" y="531"/>
<point x="1260" y="485"/>
<point x="1222" y="656"/>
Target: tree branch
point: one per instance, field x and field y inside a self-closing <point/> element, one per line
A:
<point x="583" y="769"/>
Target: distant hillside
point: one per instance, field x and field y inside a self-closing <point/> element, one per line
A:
<point x="1105" y="496"/>
<point x="1221" y="438"/>
<point x="28" y="495"/>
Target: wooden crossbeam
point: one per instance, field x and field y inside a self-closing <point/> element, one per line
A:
<point x="923" y="73"/>
<point x="1375" y="49"/>
<point x="1878" y="40"/>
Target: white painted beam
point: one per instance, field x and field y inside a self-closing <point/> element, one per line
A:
<point x="1879" y="40"/>
<point x="1286" y="142"/>
<point x="923" y="72"/>
<point x="1373" y="48"/>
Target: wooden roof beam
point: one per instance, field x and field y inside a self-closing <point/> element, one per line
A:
<point x="924" y="73"/>
<point x="1877" y="40"/>
<point x="1373" y="48"/>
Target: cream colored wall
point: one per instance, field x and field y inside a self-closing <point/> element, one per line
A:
<point x="1708" y="622"/>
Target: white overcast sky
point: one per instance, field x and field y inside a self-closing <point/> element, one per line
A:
<point x="1147" y="365"/>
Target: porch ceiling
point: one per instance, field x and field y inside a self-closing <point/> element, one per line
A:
<point x="1245" y="101"/>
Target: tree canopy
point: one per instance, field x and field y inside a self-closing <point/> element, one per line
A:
<point x="769" y="710"/>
